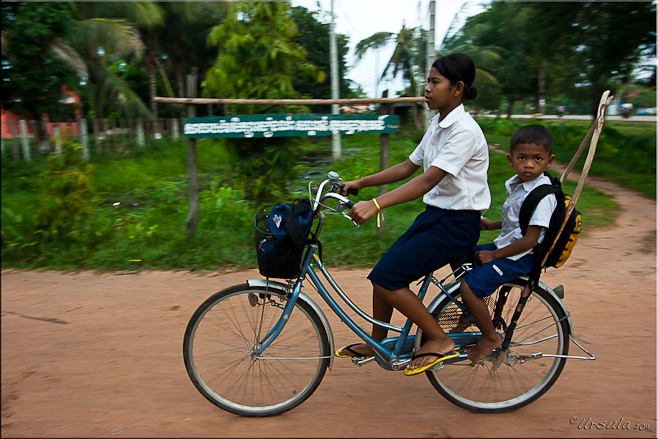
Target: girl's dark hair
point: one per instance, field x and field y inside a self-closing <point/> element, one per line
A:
<point x="458" y="67"/>
<point x="536" y="134"/>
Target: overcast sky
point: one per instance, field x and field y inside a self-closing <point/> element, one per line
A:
<point x="359" y="19"/>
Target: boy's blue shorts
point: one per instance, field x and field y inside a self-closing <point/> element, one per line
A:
<point x="436" y="238"/>
<point x="484" y="279"/>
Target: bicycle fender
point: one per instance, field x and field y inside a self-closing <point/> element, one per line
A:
<point x="275" y="285"/>
<point x="559" y="301"/>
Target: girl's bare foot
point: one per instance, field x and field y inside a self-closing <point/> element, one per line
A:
<point x="431" y="347"/>
<point x="483" y="348"/>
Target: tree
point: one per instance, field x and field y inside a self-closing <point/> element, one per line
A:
<point x="257" y="60"/>
<point x="191" y="22"/>
<point x="552" y="50"/>
<point x="408" y="56"/>
<point x="313" y="36"/>
<point x="102" y="37"/>
<point x="610" y="39"/>
<point x="37" y="62"/>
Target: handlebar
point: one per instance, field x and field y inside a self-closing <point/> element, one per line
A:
<point x="334" y="180"/>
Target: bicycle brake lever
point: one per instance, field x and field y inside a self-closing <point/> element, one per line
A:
<point x="339" y="209"/>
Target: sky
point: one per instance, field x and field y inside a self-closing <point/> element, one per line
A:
<point x="359" y="19"/>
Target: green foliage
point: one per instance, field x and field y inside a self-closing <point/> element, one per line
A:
<point x="258" y="60"/>
<point x="313" y="36"/>
<point x="625" y="153"/>
<point x="66" y="200"/>
<point x="139" y="223"/>
<point x="565" y="52"/>
<point x="34" y="74"/>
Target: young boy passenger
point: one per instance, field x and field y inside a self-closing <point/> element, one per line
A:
<point x="510" y="255"/>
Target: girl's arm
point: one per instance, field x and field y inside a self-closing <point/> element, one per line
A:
<point x="393" y="174"/>
<point x="529" y="241"/>
<point x="411" y="190"/>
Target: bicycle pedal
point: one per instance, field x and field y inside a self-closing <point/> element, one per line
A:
<point x="437" y="366"/>
<point x="360" y="361"/>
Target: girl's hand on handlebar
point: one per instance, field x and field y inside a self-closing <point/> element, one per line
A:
<point x="363" y="211"/>
<point x="352" y="187"/>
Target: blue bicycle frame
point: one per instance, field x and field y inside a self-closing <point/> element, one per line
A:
<point x="393" y="352"/>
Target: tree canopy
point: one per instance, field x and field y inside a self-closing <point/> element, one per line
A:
<point x="564" y="51"/>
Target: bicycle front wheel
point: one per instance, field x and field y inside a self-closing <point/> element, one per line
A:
<point x="507" y="380"/>
<point x="221" y="341"/>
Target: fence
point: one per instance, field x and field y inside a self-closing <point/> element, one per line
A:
<point x="96" y="135"/>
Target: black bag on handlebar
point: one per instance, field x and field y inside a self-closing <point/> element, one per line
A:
<point x="281" y="236"/>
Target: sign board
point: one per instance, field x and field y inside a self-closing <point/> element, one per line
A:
<point x="282" y="125"/>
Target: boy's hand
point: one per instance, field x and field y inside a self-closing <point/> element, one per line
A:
<point x="484" y="256"/>
<point x="487" y="224"/>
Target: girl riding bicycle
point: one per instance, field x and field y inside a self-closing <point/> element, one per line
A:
<point x="455" y="159"/>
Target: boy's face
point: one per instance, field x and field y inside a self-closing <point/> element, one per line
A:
<point x="529" y="160"/>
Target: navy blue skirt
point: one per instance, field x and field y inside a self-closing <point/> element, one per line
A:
<point x="436" y="238"/>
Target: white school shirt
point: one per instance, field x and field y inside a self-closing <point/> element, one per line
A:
<point x="516" y="194"/>
<point x="457" y="146"/>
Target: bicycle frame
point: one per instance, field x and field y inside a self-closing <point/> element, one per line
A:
<point x="393" y="352"/>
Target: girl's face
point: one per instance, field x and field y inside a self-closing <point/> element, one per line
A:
<point x="440" y="94"/>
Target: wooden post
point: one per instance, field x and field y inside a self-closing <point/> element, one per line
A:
<point x="97" y="135"/>
<point x="140" y="132"/>
<point x="174" y="129"/>
<point x="84" y="138"/>
<point x="25" y="141"/>
<point x="193" y="214"/>
<point x="113" y="129"/>
<point x="57" y="137"/>
<point x="384" y="158"/>
<point x="13" y="128"/>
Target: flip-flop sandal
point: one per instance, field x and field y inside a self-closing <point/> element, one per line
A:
<point x="348" y="348"/>
<point x="440" y="358"/>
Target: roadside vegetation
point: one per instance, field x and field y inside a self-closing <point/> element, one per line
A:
<point x="125" y="212"/>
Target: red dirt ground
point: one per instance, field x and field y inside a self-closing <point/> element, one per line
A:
<point x="99" y="355"/>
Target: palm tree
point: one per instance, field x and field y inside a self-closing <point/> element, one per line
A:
<point x="407" y="57"/>
<point x="108" y="31"/>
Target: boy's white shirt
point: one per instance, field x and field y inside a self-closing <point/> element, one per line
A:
<point x="516" y="194"/>
<point x="457" y="146"/>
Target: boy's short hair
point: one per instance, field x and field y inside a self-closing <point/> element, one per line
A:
<point x="536" y="134"/>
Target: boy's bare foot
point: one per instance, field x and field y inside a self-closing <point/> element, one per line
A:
<point x="463" y="324"/>
<point x="431" y="346"/>
<point x="356" y="350"/>
<point x="483" y="348"/>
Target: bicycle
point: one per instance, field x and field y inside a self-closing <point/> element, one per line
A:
<point x="249" y="354"/>
<point x="262" y="348"/>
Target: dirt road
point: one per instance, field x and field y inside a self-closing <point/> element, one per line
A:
<point x="87" y="355"/>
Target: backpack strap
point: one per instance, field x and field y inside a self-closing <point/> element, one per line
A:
<point x="532" y="200"/>
<point x="528" y="208"/>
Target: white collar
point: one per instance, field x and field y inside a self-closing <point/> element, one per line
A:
<point x="451" y="117"/>
<point x="528" y="186"/>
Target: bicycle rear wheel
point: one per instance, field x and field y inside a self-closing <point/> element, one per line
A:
<point x="508" y="380"/>
<point x="220" y="344"/>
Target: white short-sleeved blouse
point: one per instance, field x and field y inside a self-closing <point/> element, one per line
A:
<point x="457" y="146"/>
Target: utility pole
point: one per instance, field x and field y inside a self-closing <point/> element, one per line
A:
<point x="430" y="52"/>
<point x="335" y="138"/>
